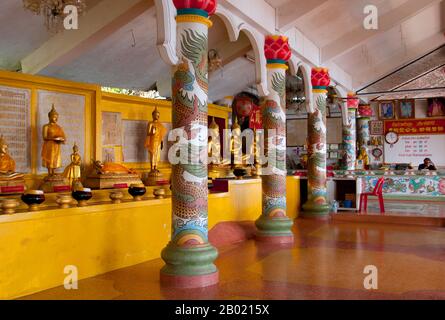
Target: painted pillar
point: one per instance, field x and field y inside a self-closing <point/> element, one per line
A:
<point x="273" y="225"/>
<point x="189" y="256"/>
<point x="363" y="131"/>
<point x="350" y="132"/>
<point x="317" y="204"/>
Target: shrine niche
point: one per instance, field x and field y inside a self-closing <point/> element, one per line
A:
<point x="71" y="109"/>
<point x="15" y="124"/>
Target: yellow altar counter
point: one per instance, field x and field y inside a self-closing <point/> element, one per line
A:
<point x="35" y="247"/>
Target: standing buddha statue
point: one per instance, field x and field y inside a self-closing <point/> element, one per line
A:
<point x="73" y="172"/>
<point x="214" y="145"/>
<point x="154" y="141"/>
<point x="154" y="144"/>
<point x="53" y="138"/>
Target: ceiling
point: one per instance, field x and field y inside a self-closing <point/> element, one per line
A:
<point x="407" y="29"/>
<point x="127" y="57"/>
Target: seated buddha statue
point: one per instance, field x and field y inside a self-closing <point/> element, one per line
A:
<point x="7" y="164"/>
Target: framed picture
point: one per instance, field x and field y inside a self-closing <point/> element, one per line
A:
<point x="406" y="109"/>
<point x="387" y="110"/>
<point x="333" y="146"/>
<point x="376" y="127"/>
<point x="334" y="110"/>
<point x="436" y="107"/>
<point x="333" y="155"/>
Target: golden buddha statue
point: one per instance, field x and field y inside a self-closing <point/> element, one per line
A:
<point x="7" y="164"/>
<point x="53" y="138"/>
<point x="154" y="144"/>
<point x="236" y="148"/>
<point x="363" y="156"/>
<point x="105" y="175"/>
<point x="214" y="144"/>
<point x="73" y="172"/>
<point x="154" y="141"/>
<point x="236" y="142"/>
<point x="112" y="168"/>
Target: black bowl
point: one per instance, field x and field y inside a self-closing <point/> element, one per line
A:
<point x="137" y="191"/>
<point x="33" y="199"/>
<point x="81" y="195"/>
<point x="239" y="172"/>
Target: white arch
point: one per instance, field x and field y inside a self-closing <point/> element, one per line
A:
<point x="166" y="37"/>
<point x="257" y="41"/>
<point x="306" y="71"/>
<point x="230" y="22"/>
<point x="166" y="40"/>
<point x="234" y="26"/>
<point x="294" y="63"/>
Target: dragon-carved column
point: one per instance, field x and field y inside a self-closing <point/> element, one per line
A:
<point x="363" y="130"/>
<point x="189" y="256"/>
<point x="317" y="205"/>
<point x="350" y="132"/>
<point x="273" y="225"/>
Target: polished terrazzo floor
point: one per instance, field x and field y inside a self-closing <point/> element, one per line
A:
<point x="326" y="262"/>
<point x="409" y="208"/>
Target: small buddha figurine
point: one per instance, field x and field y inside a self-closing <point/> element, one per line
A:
<point x="53" y="138"/>
<point x="236" y="143"/>
<point x="363" y="156"/>
<point x="214" y="144"/>
<point x="7" y="164"/>
<point x="73" y="172"/>
<point x="154" y="140"/>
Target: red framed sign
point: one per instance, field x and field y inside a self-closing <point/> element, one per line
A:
<point x="416" y="127"/>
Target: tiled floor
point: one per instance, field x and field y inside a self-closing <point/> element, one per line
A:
<point x="326" y="262"/>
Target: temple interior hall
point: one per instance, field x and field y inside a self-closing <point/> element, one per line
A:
<point x="222" y="150"/>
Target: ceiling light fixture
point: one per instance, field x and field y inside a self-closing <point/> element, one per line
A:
<point x="52" y="11"/>
<point x="215" y="61"/>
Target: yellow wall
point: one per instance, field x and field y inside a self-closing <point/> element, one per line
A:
<point x="35" y="83"/>
<point x="131" y="108"/>
<point x="35" y="247"/>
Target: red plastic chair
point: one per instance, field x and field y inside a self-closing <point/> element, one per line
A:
<point x="377" y="192"/>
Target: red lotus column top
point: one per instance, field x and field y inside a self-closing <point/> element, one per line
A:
<point x="364" y="111"/>
<point x="352" y="101"/>
<point x="195" y="6"/>
<point x="320" y="78"/>
<point x="276" y="49"/>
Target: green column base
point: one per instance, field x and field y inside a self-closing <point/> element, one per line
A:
<point x="274" y="227"/>
<point x="313" y="210"/>
<point x="193" y="261"/>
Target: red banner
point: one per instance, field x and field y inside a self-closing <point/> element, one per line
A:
<point x="413" y="127"/>
<point x="12" y="189"/>
<point x="256" y="120"/>
<point x="120" y="186"/>
<point x="62" y="189"/>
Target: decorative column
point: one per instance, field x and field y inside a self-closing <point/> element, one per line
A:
<point x="189" y="256"/>
<point x="350" y="132"/>
<point x="363" y="132"/>
<point x="317" y="205"/>
<point x="273" y="225"/>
